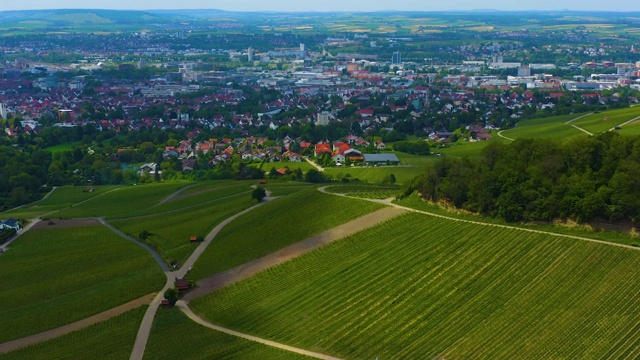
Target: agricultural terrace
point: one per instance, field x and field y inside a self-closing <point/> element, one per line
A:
<point x="620" y="236"/>
<point x="600" y="122"/>
<point x="424" y="287"/>
<point x="554" y="127"/>
<point x="365" y="191"/>
<point x="111" y="339"/>
<point x="174" y="334"/>
<point x="60" y="198"/>
<point x="276" y="225"/>
<point x="169" y="233"/>
<point x="122" y="201"/>
<point x="55" y="276"/>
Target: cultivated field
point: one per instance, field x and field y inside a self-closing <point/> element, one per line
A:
<point x="123" y="201"/>
<point x="376" y="175"/>
<point x="276" y="225"/>
<point x="422" y="287"/>
<point x="174" y="335"/>
<point x="112" y="339"/>
<point x="169" y="232"/>
<point x="52" y="277"/>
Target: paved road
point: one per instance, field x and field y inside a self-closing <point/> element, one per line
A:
<point x="251" y="268"/>
<point x="31" y="223"/>
<point x="145" y="327"/>
<point x="183" y="306"/>
<point x="78" y="325"/>
<point x="577" y="127"/>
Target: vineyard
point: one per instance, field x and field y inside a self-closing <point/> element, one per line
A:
<point x="111" y="339"/>
<point x="122" y="201"/>
<point x="87" y="269"/>
<point x="175" y="335"/>
<point x="365" y="191"/>
<point x="169" y="232"/>
<point x="601" y="122"/>
<point x="547" y="128"/>
<point x="422" y="287"/>
<point x="276" y="225"/>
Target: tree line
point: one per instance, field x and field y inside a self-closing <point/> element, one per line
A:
<point x="583" y="179"/>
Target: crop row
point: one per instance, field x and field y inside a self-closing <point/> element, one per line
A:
<point x="111" y="339"/>
<point x="169" y="233"/>
<point x="276" y="225"/>
<point x="420" y="287"/>
<point x="52" y="277"/>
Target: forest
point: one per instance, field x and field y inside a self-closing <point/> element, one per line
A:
<point x="584" y="179"/>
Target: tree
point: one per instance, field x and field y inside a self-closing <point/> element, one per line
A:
<point x="172" y="295"/>
<point x="258" y="193"/>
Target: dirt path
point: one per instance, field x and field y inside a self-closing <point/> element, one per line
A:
<point x="504" y="137"/>
<point x="176" y="193"/>
<point x="578" y="127"/>
<point x="602" y="242"/>
<point x="314" y="164"/>
<point x="78" y="325"/>
<point x="251" y="268"/>
<point x="145" y="326"/>
<point x="626" y="123"/>
<point x="183" y="306"/>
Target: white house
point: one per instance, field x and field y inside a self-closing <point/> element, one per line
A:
<point x="10" y="224"/>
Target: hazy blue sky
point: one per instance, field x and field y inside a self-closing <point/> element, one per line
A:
<point x="326" y="5"/>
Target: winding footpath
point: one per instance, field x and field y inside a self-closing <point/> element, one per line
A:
<point x="145" y="327"/>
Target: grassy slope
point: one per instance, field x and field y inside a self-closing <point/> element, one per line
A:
<point x="174" y="335"/>
<point x="111" y="339"/>
<point x="365" y="191"/>
<point x="277" y="225"/>
<point x="596" y="123"/>
<point x="376" y="175"/>
<point x="119" y="203"/>
<point x="52" y="277"/>
<point x="549" y="128"/>
<point x="421" y="287"/>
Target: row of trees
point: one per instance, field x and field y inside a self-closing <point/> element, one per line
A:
<point x="584" y="179"/>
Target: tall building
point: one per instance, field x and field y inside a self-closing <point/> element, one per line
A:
<point x="622" y="71"/>
<point x="396" y="58"/>
<point x="3" y="111"/>
<point x="524" y="71"/>
<point x="250" y="54"/>
<point x="302" y="47"/>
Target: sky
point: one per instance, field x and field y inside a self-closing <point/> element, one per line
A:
<point x="324" y="5"/>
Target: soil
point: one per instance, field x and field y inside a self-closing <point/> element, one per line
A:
<point x="65" y="223"/>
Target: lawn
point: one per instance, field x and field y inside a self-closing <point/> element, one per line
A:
<point x="111" y="339"/>
<point x="62" y="147"/>
<point x="123" y="201"/>
<point x="170" y="232"/>
<point x="55" y="276"/>
<point x="546" y="128"/>
<point x="601" y="122"/>
<point x="422" y="287"/>
<point x="174" y="335"/>
<point x="276" y="225"/>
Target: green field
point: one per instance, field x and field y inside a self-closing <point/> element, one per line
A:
<point x="276" y="225"/>
<point x="123" y="201"/>
<point x="548" y="128"/>
<point x="174" y="335"/>
<point x="62" y="147"/>
<point x="376" y="175"/>
<point x="422" y="287"/>
<point x="600" y="122"/>
<point x="365" y="191"/>
<point x="632" y="129"/>
<point x="53" y="277"/>
<point x="111" y="339"/>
